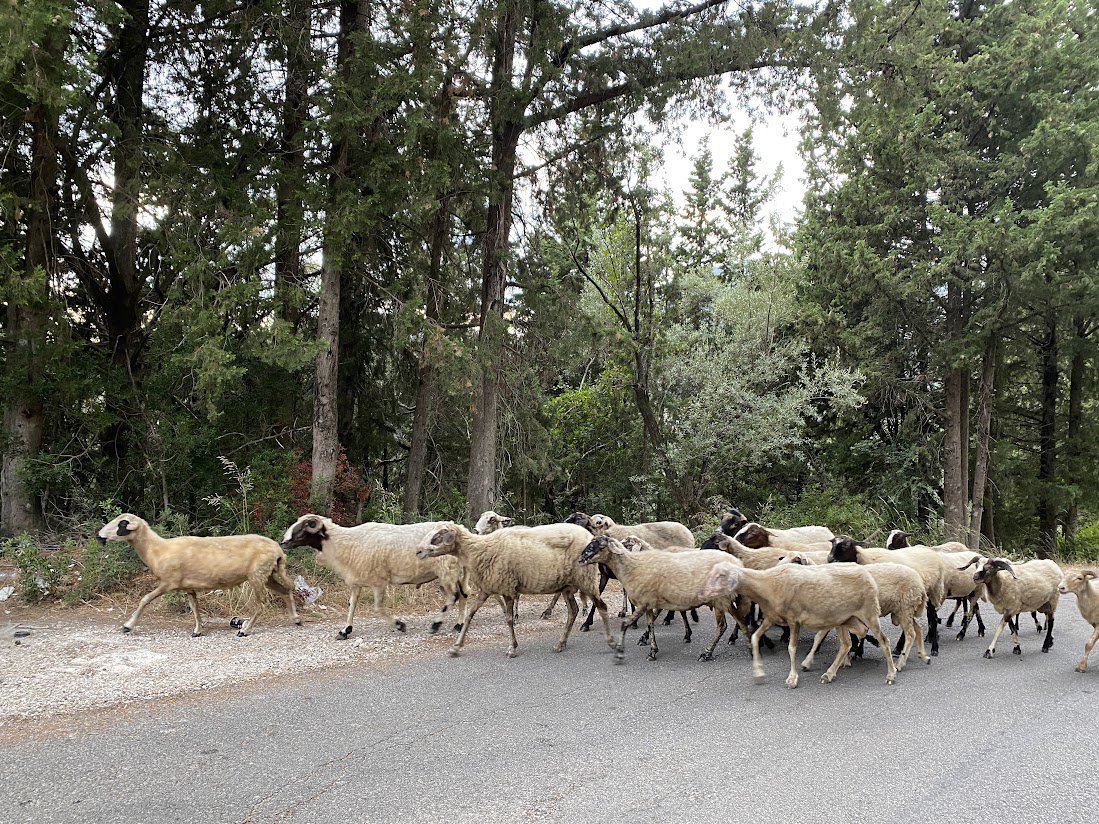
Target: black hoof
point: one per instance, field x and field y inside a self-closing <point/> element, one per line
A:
<point x="400" y="625"/>
<point x="706" y="656"/>
<point x="652" y="655"/>
<point x="196" y="634"/>
<point x="546" y="614"/>
<point x="343" y="633"/>
<point x="1046" y="649"/>
<point x="584" y="627"/>
<point x="125" y="630"/>
<point x="960" y="636"/>
<point x="934" y="653"/>
<point x="642" y="642"/>
<point x="236" y="623"/>
<point x="242" y="634"/>
<point x="457" y="627"/>
<point x="950" y="622"/>
<point x="298" y="622"/>
<point x="1017" y="651"/>
<point x="988" y="653"/>
<point x="435" y="627"/>
<point x="686" y="639"/>
<point x="980" y="633"/>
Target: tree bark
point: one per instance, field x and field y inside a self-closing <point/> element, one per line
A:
<point x="24" y="417"/>
<point x="955" y="429"/>
<point x="1047" y="440"/>
<point x="506" y="127"/>
<point x="984" y="422"/>
<point x="1074" y="448"/>
<point x="354" y="18"/>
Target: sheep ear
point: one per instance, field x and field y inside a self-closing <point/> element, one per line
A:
<point x="507" y="521"/>
<point x="124" y="528"/>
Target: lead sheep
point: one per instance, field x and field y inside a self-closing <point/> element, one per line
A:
<point x="1083" y="585"/>
<point x="536" y="560"/>
<point x="191" y="564"/>
<point x="376" y="555"/>
<point x="814" y="597"/>
<point x="1012" y="590"/>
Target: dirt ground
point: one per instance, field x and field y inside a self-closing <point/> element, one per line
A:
<point x="75" y="659"/>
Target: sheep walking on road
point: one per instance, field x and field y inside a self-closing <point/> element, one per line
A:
<point x="1013" y="590"/>
<point x="1084" y="586"/>
<point x="192" y="565"/>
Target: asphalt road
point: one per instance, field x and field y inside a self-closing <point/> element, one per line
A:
<point x="572" y="737"/>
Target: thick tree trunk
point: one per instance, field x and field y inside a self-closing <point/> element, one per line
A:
<point x="956" y="427"/>
<point x="290" y="208"/>
<point x="984" y="423"/>
<point x="1074" y="448"/>
<point x="1047" y="440"/>
<point x="24" y="417"/>
<point x="354" y="18"/>
<point x="481" y="483"/>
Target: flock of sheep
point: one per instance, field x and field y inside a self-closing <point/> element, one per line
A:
<point x="800" y="578"/>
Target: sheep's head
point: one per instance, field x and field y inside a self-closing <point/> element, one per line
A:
<point x="442" y="541"/>
<point x="723" y="580"/>
<point x="490" y="522"/>
<point x="580" y="519"/>
<point x="632" y="543"/>
<point x="988" y="567"/>
<point x="600" y="524"/>
<point x="732" y="521"/>
<point x="308" y="530"/>
<point x="721" y="541"/>
<point x="599" y="548"/>
<point x="898" y="539"/>
<point x="795" y="558"/>
<point x="122" y="528"/>
<point x="844" y="550"/>
<point x="1077" y="581"/>
<point x="753" y="536"/>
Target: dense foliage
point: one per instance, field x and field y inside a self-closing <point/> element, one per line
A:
<point x="411" y="259"/>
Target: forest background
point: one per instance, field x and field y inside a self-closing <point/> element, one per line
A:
<point x="420" y="259"/>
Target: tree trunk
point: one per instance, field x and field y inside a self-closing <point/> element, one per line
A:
<point x="984" y="422"/>
<point x="24" y="418"/>
<point x="956" y="429"/>
<point x="507" y="128"/>
<point x="1074" y="448"/>
<point x="1047" y="441"/>
<point x="290" y="208"/>
<point x="326" y="447"/>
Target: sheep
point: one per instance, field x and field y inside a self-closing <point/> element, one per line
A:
<point x="901" y="595"/>
<point x="959" y="584"/>
<point x="660" y="580"/>
<point x="1032" y="586"/>
<point x="1087" y="601"/>
<point x="508" y="562"/>
<point x="376" y="555"/>
<point x="814" y="597"/>
<point x="730" y="524"/>
<point x="633" y="543"/>
<point x="928" y="563"/>
<point x="191" y="564"/>
<point x="764" y="557"/>
<point x="754" y="536"/>
<point x="490" y="522"/>
<point x="660" y="534"/>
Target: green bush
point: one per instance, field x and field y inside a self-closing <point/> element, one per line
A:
<point x="42" y="571"/>
<point x="105" y="567"/>
<point x="1082" y="547"/>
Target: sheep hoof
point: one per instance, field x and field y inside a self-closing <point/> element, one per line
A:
<point x="236" y="623"/>
<point x="435" y="626"/>
<point x="706" y="656"/>
<point x="980" y="633"/>
<point x="585" y="627"/>
<point x="758" y="679"/>
<point x="960" y="636"/>
<point x="1017" y="650"/>
<point x="559" y="647"/>
<point x="988" y="653"/>
<point x="242" y="634"/>
<point x="642" y="641"/>
<point x="1081" y="667"/>
<point x="513" y="652"/>
<point x="950" y="622"/>
<point x="298" y="623"/>
<point x="546" y="614"/>
<point x="457" y="627"/>
<point x="652" y="654"/>
<point x="452" y="652"/>
<point x="196" y="634"/>
<point x="125" y="630"/>
<point x="827" y="678"/>
<point x="686" y="639"/>
<point x="934" y="652"/>
<point x="619" y="657"/>
<point x="399" y="625"/>
<point x="621" y="613"/>
<point x="791" y="682"/>
<point x="341" y="635"/>
<point x="890" y="681"/>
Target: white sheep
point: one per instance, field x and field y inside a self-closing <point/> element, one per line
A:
<point x="660" y="580"/>
<point x="929" y="564"/>
<point x="633" y="543"/>
<point x="765" y="557"/>
<point x="821" y="597"/>
<point x="376" y="555"/>
<point x="659" y="534"/>
<point x="191" y="564"/>
<point x="1083" y="584"/>
<point x="901" y="595"/>
<point x="491" y="521"/>
<point x="1013" y="590"/>
<point x="755" y="536"/>
<point x="510" y="562"/>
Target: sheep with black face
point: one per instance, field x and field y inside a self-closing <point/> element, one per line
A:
<point x="1012" y="590"/>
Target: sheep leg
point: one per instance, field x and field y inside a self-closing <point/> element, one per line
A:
<point x="601" y="606"/>
<point x="590" y="619"/>
<point x="280" y="588"/>
<point x="148" y="599"/>
<point x="792" y="645"/>
<point x="653" y="648"/>
<point x="1037" y="623"/>
<point x="807" y="664"/>
<point x="547" y="613"/>
<point x="908" y="635"/>
<point x="722" y="625"/>
<point x="967" y="616"/>
<point x="625" y="608"/>
<point x="996" y="637"/>
<point x="509" y="617"/>
<point x="977" y="612"/>
<point x="957" y="604"/>
<point x="452" y="600"/>
<point x="844" y="638"/>
<point x="574" y="610"/>
<point x="686" y="626"/>
<point x="1048" y="643"/>
<point x="1014" y="627"/>
<point x="247" y="628"/>
<point x="933" y="628"/>
<point x="471" y="611"/>
<point x="874" y="624"/>
<point x="379" y="601"/>
<point x="1082" y="665"/>
<point x="192" y="599"/>
<point x="352" y="605"/>
<point x="668" y="617"/>
<point x="757" y="664"/>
